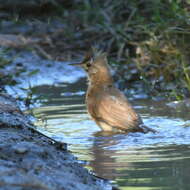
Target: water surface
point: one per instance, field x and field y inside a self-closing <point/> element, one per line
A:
<point x="134" y="161"/>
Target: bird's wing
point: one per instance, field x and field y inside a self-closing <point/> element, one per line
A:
<point x="117" y="112"/>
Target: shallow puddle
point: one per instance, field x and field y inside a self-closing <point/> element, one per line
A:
<point x="134" y="161"/>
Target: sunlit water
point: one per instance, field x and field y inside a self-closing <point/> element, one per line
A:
<point x="134" y="161"/>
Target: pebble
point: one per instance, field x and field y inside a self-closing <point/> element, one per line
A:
<point x="21" y="150"/>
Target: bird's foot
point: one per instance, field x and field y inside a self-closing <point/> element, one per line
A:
<point x="147" y="129"/>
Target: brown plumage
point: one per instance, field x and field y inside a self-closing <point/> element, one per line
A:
<point x="106" y="104"/>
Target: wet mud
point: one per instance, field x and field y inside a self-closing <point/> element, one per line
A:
<point x="30" y="160"/>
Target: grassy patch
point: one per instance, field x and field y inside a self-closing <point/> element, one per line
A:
<point x="153" y="35"/>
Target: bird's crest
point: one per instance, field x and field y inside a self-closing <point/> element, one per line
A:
<point x="93" y="55"/>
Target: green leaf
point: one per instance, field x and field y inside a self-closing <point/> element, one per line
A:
<point x="34" y="72"/>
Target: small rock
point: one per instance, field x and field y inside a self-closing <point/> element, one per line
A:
<point x="21" y="147"/>
<point x="21" y="150"/>
<point x="179" y="104"/>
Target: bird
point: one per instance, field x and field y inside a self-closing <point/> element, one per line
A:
<point x="106" y="104"/>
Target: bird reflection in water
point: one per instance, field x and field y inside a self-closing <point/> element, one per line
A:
<point x="105" y="154"/>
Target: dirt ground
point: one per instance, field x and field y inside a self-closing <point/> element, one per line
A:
<point x="31" y="161"/>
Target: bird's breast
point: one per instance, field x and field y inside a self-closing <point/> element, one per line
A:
<point x="92" y="99"/>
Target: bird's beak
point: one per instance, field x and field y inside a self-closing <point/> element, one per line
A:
<point x="81" y="64"/>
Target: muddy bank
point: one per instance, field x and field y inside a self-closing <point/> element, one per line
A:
<point x="29" y="160"/>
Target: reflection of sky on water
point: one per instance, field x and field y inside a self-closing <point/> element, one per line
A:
<point x="133" y="161"/>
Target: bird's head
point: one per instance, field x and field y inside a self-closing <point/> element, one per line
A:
<point x="96" y="65"/>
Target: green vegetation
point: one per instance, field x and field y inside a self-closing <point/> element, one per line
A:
<point x="5" y="78"/>
<point x="152" y="35"/>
